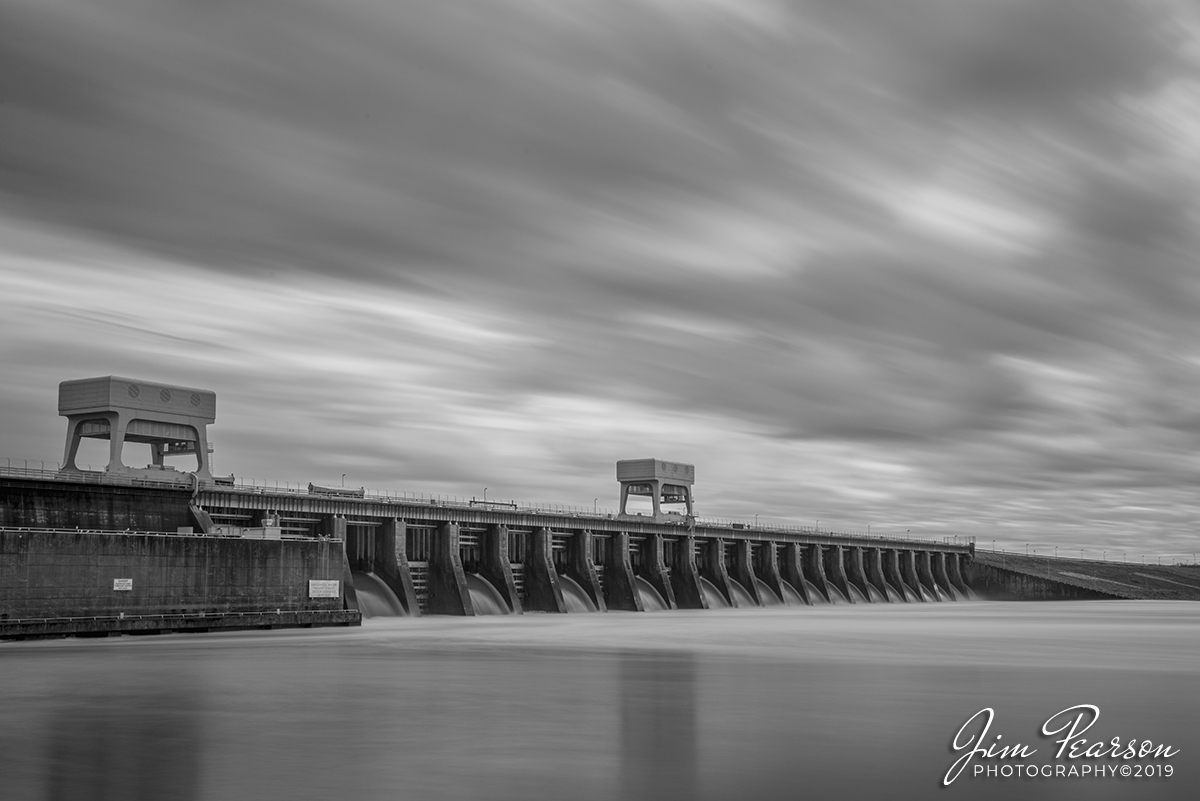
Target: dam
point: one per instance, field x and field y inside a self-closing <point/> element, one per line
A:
<point x="155" y="549"/>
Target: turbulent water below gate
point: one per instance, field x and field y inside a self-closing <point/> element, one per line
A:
<point x="843" y="701"/>
<point x="486" y="599"/>
<point x="376" y="599"/>
<point x="574" y="596"/>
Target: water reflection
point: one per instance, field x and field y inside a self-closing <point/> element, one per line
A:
<point x="825" y="702"/>
<point x="658" y="725"/>
<point x="113" y="743"/>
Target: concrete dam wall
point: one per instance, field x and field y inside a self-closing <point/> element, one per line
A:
<point x="78" y="558"/>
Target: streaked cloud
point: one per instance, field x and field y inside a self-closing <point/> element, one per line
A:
<point x="927" y="265"/>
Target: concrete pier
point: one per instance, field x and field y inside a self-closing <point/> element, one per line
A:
<point x="857" y="574"/>
<point x="908" y="566"/>
<point x="954" y="568"/>
<point x="496" y="565"/>
<point x="814" y="565"/>
<point x="448" y="593"/>
<point x="715" y="570"/>
<point x="942" y="577"/>
<point x="620" y="588"/>
<point x="654" y="568"/>
<point x="685" y="576"/>
<point x="543" y="593"/>
<point x="875" y="576"/>
<point x="925" y="574"/>
<point x="791" y="570"/>
<point x="390" y="563"/>
<point x="582" y="568"/>
<point x="835" y="571"/>
<point x="743" y="569"/>
<point x="895" y="576"/>
<point x="766" y="567"/>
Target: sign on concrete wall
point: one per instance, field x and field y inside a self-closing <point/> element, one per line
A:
<point x="123" y="585"/>
<point x="318" y="588"/>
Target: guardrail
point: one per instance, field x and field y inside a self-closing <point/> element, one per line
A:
<point x="170" y="616"/>
<point x="136" y="533"/>
<point x="1175" y="559"/>
<point x="178" y="480"/>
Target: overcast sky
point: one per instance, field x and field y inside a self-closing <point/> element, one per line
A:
<point x="929" y="266"/>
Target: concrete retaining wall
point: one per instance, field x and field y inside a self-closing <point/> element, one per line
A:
<point x="998" y="584"/>
<point x="71" y="573"/>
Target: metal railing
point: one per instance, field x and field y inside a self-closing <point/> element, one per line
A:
<point x="1107" y="555"/>
<point x="90" y="476"/>
<point x="138" y="533"/>
<point x="172" y="616"/>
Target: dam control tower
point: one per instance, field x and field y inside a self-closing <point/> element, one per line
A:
<point x="666" y="483"/>
<point x="169" y="418"/>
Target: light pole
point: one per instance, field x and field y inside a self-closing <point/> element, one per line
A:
<point x="1104" y="556"/>
<point x="818" y="527"/>
<point x="1027" y="549"/>
<point x="594" y="500"/>
<point x="993" y="546"/>
<point x="343" y="479"/>
<point x="1055" y="551"/>
<point x="485" y="494"/>
<point x="756" y="521"/>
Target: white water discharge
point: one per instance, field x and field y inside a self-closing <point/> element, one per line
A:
<point x="791" y="595"/>
<point x="376" y="599"/>
<point x="486" y="599"/>
<point x="714" y="597"/>
<point x="652" y="601"/>
<point x="843" y="701"/>
<point x="744" y="599"/>
<point x="575" y="597"/>
<point x="769" y="598"/>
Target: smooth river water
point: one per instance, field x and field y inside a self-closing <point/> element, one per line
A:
<point x="830" y="702"/>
